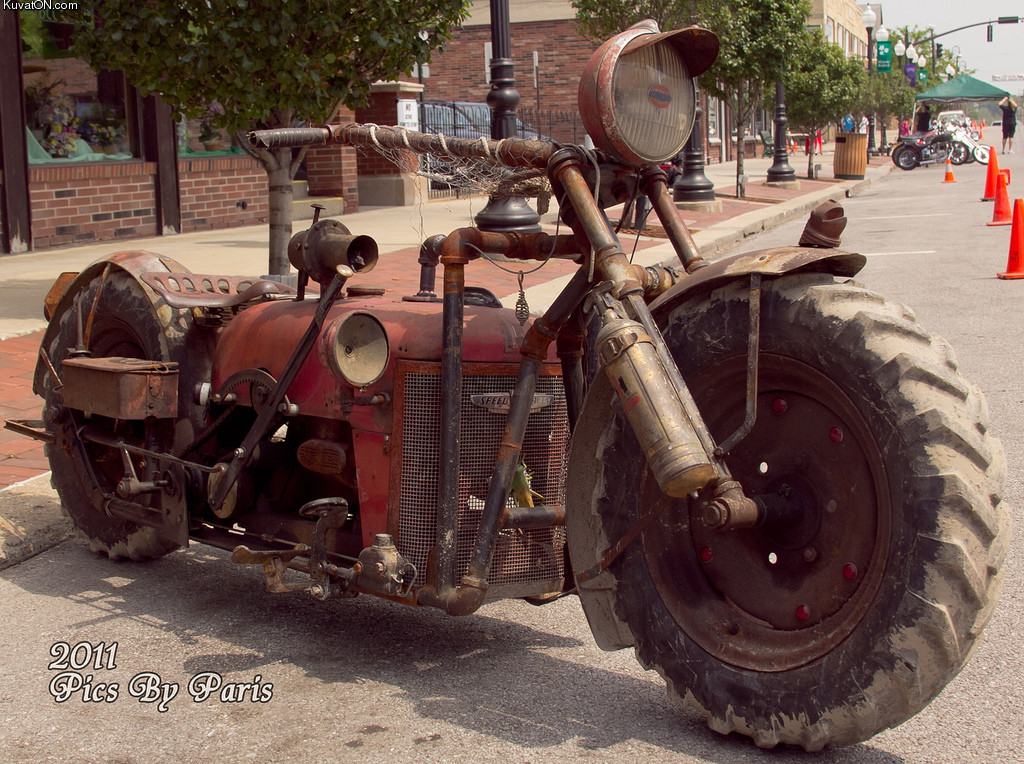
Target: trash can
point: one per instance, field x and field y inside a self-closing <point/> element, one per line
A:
<point x="851" y="157"/>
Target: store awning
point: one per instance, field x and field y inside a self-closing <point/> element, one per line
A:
<point x="962" y="88"/>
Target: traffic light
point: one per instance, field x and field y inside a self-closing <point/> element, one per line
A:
<point x="988" y="36"/>
<point x="938" y="51"/>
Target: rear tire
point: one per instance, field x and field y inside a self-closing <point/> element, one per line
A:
<point x="905" y="158"/>
<point x="901" y="438"/>
<point x="125" y="323"/>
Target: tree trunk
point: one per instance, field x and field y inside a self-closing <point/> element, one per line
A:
<point x="810" y="154"/>
<point x="279" y="179"/>
<point x="741" y="191"/>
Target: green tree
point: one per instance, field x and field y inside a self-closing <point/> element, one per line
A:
<point x="758" y="39"/>
<point x="265" y="64"/>
<point x="887" y="95"/>
<point x="822" y="85"/>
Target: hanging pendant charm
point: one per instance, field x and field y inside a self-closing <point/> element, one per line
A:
<point x="522" y="306"/>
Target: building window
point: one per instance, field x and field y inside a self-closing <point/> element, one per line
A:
<point x="714" y="118"/>
<point x="74" y="113"/>
<point x="200" y="138"/>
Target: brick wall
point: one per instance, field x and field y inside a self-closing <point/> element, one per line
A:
<point x="221" y="192"/>
<point x="457" y="72"/>
<point x="382" y="109"/>
<point x="91" y="202"/>
<point x="331" y="170"/>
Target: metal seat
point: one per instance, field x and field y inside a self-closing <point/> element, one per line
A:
<point x="198" y="290"/>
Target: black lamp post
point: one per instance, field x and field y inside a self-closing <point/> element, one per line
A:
<point x="869" y="18"/>
<point x="781" y="171"/>
<point x="693" y="185"/>
<point x="507" y="213"/>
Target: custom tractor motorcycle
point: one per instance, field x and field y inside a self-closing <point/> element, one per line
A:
<point x="768" y="480"/>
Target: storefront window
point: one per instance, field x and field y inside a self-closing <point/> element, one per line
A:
<point x="200" y="137"/>
<point x="73" y="113"/>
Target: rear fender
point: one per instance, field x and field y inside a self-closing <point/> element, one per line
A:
<point x="584" y="528"/>
<point x="62" y="294"/>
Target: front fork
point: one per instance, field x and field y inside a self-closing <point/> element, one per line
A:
<point x="658" y="405"/>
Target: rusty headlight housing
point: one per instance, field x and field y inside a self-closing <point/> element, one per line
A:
<point x="357" y="349"/>
<point x="637" y="94"/>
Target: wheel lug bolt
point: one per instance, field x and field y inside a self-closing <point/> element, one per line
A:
<point x="803" y="613"/>
<point x="850" y="571"/>
<point x="706" y="555"/>
<point x="780" y="406"/>
<point x="835" y="434"/>
<point x="810" y="554"/>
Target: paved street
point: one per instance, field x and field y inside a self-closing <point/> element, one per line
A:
<point x="366" y="680"/>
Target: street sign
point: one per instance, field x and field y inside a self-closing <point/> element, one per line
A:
<point x="1007" y="77"/>
<point x="922" y="75"/>
<point x="884" y="56"/>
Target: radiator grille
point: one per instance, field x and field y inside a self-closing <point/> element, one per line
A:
<point x="520" y="557"/>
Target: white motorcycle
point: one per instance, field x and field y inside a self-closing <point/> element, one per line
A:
<point x="965" y="146"/>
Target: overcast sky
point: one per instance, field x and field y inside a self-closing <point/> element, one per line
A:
<point x="1004" y="55"/>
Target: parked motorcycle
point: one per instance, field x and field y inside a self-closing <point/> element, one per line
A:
<point x="920" y="149"/>
<point x="767" y="479"/>
<point x="966" y="147"/>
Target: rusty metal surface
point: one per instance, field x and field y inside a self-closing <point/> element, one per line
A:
<point x="783" y="593"/>
<point x="201" y="290"/>
<point x="30" y="428"/>
<point x="655" y="186"/>
<point x="132" y="262"/>
<point x="767" y="262"/>
<point x="57" y="291"/>
<point x="121" y="388"/>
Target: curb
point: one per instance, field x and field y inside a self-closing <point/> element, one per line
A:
<point x="733" y="231"/>
<point x="31" y="520"/>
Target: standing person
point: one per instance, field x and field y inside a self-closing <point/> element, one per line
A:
<point x="1009" y="108"/>
<point x="848" y="126"/>
<point x="923" y="119"/>
<point x="863" y="128"/>
<point x="904" y="127"/>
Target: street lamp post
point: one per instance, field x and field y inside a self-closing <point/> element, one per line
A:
<point x="693" y="185"/>
<point x="781" y="171"/>
<point x="869" y="18"/>
<point x="506" y="213"/>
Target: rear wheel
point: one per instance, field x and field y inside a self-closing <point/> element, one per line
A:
<point x="961" y="154"/>
<point x="863" y="592"/>
<point x="905" y="158"/>
<point x="123" y="323"/>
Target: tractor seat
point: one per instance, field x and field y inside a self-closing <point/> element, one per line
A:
<point x="198" y="290"/>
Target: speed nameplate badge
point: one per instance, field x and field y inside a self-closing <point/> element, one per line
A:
<point x="501" y="403"/>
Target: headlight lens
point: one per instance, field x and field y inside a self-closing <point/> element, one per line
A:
<point x="359" y="349"/>
<point x="654" y="101"/>
<point x="637" y="96"/>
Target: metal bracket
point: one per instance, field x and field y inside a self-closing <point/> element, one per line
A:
<point x="274" y="562"/>
<point x="753" y="348"/>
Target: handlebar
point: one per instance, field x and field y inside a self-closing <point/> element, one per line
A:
<point x="290" y="137"/>
<point x="512" y="152"/>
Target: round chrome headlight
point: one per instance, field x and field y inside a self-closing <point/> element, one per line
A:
<point x="637" y="94"/>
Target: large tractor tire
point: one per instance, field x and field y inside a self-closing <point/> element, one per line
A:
<point x="864" y="590"/>
<point x="125" y="323"/>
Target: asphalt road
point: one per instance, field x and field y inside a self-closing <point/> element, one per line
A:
<point x="365" y="680"/>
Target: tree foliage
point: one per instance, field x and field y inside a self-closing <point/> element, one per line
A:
<point x="600" y="19"/>
<point x="822" y="84"/>
<point x="265" y="63"/>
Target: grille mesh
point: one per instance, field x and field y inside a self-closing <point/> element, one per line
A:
<point x="519" y="556"/>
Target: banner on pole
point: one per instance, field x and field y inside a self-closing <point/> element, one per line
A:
<point x="883" y="56"/>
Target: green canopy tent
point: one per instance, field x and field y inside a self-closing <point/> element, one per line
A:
<point x="962" y="88"/>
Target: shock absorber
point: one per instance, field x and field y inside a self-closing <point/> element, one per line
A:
<point x="653" y="406"/>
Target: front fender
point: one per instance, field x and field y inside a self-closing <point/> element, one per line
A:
<point x="62" y="293"/>
<point x="584" y="528"/>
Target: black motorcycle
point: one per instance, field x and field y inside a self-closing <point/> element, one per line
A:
<point x="922" y="148"/>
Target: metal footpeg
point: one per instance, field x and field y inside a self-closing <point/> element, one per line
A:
<point x="274" y="562"/>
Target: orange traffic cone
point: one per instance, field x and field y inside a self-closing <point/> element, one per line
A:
<point x="990" y="177"/>
<point x="1001" y="212"/>
<point x="1015" y="260"/>
<point x="950" y="178"/>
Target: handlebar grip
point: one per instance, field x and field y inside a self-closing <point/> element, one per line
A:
<point x="290" y="137"/>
